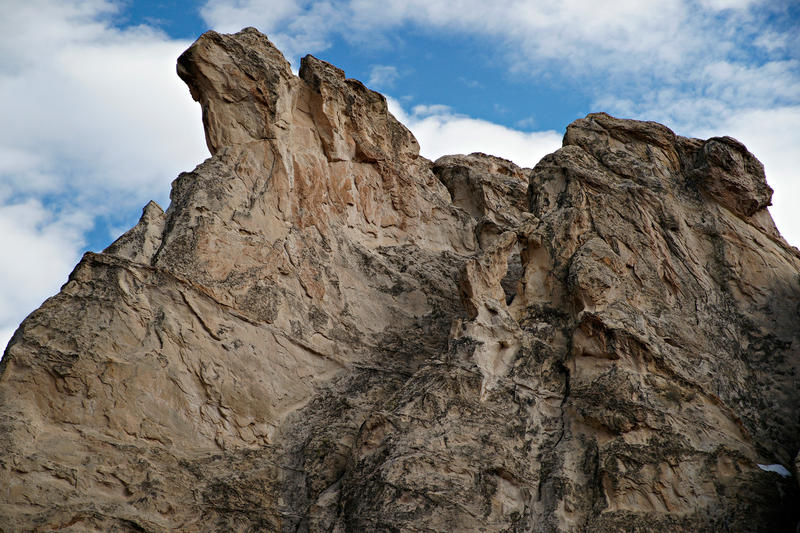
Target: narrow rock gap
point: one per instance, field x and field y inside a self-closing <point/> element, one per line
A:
<point x="514" y="273"/>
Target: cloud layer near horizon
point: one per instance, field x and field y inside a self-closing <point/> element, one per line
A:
<point x="101" y="124"/>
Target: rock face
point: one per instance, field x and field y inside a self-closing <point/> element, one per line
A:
<point x="327" y="332"/>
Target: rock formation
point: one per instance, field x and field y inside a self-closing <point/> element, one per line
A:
<point x="326" y="331"/>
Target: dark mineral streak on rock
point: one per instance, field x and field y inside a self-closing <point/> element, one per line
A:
<point x="327" y="332"/>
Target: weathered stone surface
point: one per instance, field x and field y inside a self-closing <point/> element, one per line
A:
<point x="141" y="242"/>
<point x="327" y="332"/>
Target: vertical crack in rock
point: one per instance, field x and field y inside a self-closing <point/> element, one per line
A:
<point x="498" y="335"/>
<point x="325" y="331"/>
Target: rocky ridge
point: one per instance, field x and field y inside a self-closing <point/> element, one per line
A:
<point x="326" y="331"/>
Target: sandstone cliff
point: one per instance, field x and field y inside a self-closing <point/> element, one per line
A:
<point x="326" y="331"/>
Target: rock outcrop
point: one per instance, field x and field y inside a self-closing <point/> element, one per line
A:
<point x="326" y="331"/>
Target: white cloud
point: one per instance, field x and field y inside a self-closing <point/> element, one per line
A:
<point x="39" y="250"/>
<point x="442" y="132"/>
<point x="742" y="85"/>
<point x="431" y="109"/>
<point x="111" y="110"/>
<point x="772" y="41"/>
<point x="229" y="14"/>
<point x="97" y="123"/>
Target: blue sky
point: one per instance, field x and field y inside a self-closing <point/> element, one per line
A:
<point x="97" y="123"/>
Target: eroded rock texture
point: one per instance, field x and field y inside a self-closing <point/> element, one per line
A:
<point x="327" y="332"/>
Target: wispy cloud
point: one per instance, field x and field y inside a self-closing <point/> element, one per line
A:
<point x="624" y="48"/>
<point x="382" y="76"/>
<point x="472" y="84"/>
<point x="582" y="35"/>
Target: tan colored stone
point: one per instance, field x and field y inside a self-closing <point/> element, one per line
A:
<point x="327" y="332"/>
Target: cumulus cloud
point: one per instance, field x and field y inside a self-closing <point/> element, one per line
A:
<point x="103" y="103"/>
<point x="442" y="132"/>
<point x="101" y="124"/>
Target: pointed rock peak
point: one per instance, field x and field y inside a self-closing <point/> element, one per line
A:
<point x="373" y="134"/>
<point x="141" y="242"/>
<point x="238" y="80"/>
<point x="152" y="208"/>
<point x="314" y="70"/>
<point x="247" y="92"/>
